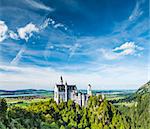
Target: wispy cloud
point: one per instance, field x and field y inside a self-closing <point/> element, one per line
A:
<point x="73" y="50"/>
<point x="46" y="23"/>
<point x="53" y="23"/>
<point x="60" y="25"/>
<point x="134" y="16"/>
<point x="136" y="11"/>
<point x="108" y="54"/>
<point x="13" y="35"/>
<point x="3" y="31"/>
<point x="39" y="5"/>
<point x="18" y="56"/>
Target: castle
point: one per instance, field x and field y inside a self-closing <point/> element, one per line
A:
<point x="64" y="92"/>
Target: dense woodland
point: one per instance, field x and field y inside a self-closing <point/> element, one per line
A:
<point x="98" y="114"/>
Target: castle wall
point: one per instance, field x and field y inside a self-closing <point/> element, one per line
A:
<point x="61" y="97"/>
<point x="66" y="93"/>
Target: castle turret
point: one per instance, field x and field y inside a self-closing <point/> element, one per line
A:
<point x="66" y="92"/>
<point x="83" y="100"/>
<point x="80" y="98"/>
<point x="89" y="90"/>
<point x="61" y="80"/>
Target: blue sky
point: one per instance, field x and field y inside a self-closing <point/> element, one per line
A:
<point x="101" y="42"/>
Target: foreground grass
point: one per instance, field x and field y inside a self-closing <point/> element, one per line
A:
<point x="24" y="102"/>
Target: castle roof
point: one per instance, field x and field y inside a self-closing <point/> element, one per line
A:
<point x="61" y="87"/>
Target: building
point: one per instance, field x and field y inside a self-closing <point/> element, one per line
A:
<point x="63" y="92"/>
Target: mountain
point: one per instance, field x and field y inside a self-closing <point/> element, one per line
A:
<point x="24" y="91"/>
<point x="145" y="89"/>
<point x="142" y="91"/>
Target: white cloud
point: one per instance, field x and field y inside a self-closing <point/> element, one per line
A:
<point x="24" y="32"/>
<point x="60" y="25"/>
<point x="108" y="77"/>
<point x="3" y="31"/>
<point x="46" y="23"/>
<point x="39" y="5"/>
<point x="13" y="35"/>
<point x="128" y="48"/>
<point x="27" y="31"/>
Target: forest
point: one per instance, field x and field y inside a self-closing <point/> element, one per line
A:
<point x="98" y="114"/>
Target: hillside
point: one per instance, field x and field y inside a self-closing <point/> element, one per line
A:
<point x="145" y="89"/>
<point x="139" y="112"/>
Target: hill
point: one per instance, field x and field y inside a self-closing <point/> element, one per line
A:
<point x="24" y="91"/>
<point x="139" y="112"/>
<point x="145" y="89"/>
<point x="142" y="91"/>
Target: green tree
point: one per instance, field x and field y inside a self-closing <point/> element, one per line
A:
<point x="3" y="106"/>
<point x="3" y="111"/>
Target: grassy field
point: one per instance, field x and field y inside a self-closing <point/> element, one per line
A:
<point x="26" y="97"/>
<point x="25" y="101"/>
<point x="127" y="104"/>
<point x="115" y="97"/>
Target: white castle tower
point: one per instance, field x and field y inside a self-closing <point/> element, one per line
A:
<point x="89" y="90"/>
<point x="56" y="94"/>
